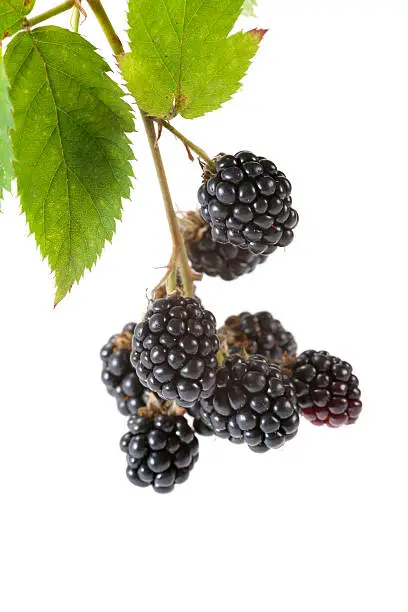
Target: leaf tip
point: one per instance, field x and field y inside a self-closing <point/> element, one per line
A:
<point x="61" y="293"/>
<point x="258" y="33"/>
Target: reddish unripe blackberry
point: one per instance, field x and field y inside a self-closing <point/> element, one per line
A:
<point x="174" y="350"/>
<point x="161" y="451"/>
<point x="253" y="402"/>
<point x="118" y="374"/>
<point x="248" y="203"/>
<point x="259" y="334"/>
<point x="326" y="388"/>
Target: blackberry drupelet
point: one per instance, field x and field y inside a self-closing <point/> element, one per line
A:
<point x="118" y="375"/>
<point x="248" y="204"/>
<point x="259" y="334"/>
<point x="161" y="451"/>
<point x="326" y="388"/>
<point x="174" y="350"/>
<point x="254" y="402"/>
<point x="199" y="426"/>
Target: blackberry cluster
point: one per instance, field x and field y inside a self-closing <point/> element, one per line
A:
<point x="224" y="260"/>
<point x="326" y="388"/>
<point x="248" y="204"/>
<point x="174" y="350"/>
<point x="260" y="334"/>
<point x="161" y="451"/>
<point x="254" y="402"/>
<point x="118" y="375"/>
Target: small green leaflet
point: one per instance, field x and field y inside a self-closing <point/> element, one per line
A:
<point x="6" y="123"/>
<point x="182" y="58"/>
<point x="69" y="141"/>
<point x="249" y="8"/>
<point x="12" y="15"/>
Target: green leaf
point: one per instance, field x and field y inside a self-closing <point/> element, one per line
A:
<point x="12" y="15"/>
<point x="71" y="149"/>
<point x="6" y="123"/>
<point x="249" y="8"/>
<point x="182" y="58"/>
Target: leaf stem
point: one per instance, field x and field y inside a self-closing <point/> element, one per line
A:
<point x="178" y="242"/>
<point x="200" y="152"/>
<point x="61" y="8"/>
<point x="107" y="26"/>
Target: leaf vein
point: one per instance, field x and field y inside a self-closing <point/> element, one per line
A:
<point x="157" y="50"/>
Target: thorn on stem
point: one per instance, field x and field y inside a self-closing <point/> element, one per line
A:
<point x="189" y="153"/>
<point x="159" y="133"/>
<point x="81" y="9"/>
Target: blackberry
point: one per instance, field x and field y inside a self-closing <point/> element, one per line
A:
<point x="199" y="426"/>
<point x="174" y="350"/>
<point x="254" y="402"/>
<point x="260" y="334"/>
<point x="248" y="204"/>
<point x="161" y="451"/>
<point x="326" y="388"/>
<point x="118" y="375"/>
<point x="213" y="258"/>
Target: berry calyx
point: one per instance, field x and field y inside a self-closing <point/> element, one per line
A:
<point x="174" y="350"/>
<point x="118" y="374"/>
<point x="260" y="334"/>
<point x="326" y="388"/>
<point x="214" y="258"/>
<point x="253" y="403"/>
<point x="248" y="204"/>
<point x="161" y="451"/>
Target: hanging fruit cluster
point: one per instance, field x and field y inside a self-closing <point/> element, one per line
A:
<point x="64" y="138"/>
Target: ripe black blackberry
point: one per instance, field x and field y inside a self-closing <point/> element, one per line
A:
<point x="118" y="374"/>
<point x="213" y="258"/>
<point x="174" y="350"/>
<point x="248" y="203"/>
<point x="161" y="451"/>
<point x="326" y="388"/>
<point x="199" y="426"/>
<point x="254" y="402"/>
<point x="259" y="334"/>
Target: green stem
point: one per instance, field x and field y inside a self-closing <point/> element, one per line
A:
<point x="61" y="8"/>
<point x="200" y="152"/>
<point x="178" y="242"/>
<point x="75" y="19"/>
<point x="107" y="27"/>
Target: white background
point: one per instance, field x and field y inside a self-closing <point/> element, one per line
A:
<point x="319" y="525"/>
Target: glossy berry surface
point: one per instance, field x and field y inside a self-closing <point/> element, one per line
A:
<point x="118" y="374"/>
<point x="224" y="260"/>
<point x="253" y="403"/>
<point x="161" y="451"/>
<point x="327" y="389"/>
<point x="248" y="204"/>
<point x="174" y="350"/>
<point x="261" y="334"/>
<point x="199" y="426"/>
